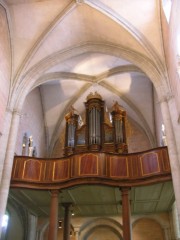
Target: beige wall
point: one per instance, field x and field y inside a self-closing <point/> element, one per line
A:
<point x="32" y="122"/>
<point x="147" y="229"/>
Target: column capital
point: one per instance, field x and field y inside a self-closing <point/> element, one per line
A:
<point x="125" y="189"/>
<point x="79" y="1"/>
<point x="67" y="204"/>
<point x="76" y="229"/>
<point x="54" y="192"/>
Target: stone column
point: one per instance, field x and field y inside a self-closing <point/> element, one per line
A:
<point x="4" y="138"/>
<point x="67" y="219"/>
<point x="76" y="230"/>
<point x="53" y="219"/>
<point x="167" y="233"/>
<point x="32" y="227"/>
<point x="172" y="149"/>
<point x="8" y="163"/>
<point x="126" y="213"/>
<point x="175" y="122"/>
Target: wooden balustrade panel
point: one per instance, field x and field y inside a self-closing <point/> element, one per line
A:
<point x="119" y="167"/>
<point x="92" y="167"/>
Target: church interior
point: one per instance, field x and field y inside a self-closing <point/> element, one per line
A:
<point x="89" y="120"/>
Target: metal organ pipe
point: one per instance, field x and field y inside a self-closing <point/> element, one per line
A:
<point x="94" y="129"/>
<point x="94" y="126"/>
<point x="119" y="130"/>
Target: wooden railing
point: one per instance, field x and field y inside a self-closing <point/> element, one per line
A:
<point x="92" y="168"/>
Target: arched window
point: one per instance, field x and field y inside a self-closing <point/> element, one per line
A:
<point x="5" y="220"/>
<point x="163" y="134"/>
<point x="4" y="225"/>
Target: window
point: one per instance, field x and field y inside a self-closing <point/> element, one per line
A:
<point x="5" y="221"/>
<point x="167" y="8"/>
<point x="163" y="134"/>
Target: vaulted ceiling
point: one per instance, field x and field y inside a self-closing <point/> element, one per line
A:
<point x="69" y="48"/>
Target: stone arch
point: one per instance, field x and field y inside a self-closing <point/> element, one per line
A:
<point x="43" y="228"/>
<point x="106" y="227"/>
<point x="156" y="218"/>
<point x="109" y="13"/>
<point x="89" y="226"/>
<point x="29" y="79"/>
<point x="144" y="228"/>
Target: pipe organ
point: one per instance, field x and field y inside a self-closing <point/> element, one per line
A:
<point x="102" y="131"/>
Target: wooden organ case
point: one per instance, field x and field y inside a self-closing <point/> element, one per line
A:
<point x="102" y="131"/>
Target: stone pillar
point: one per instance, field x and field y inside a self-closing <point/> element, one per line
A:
<point x="67" y="219"/>
<point x="8" y="163"/>
<point x="32" y="227"/>
<point x="167" y="233"/>
<point x="4" y="138"/>
<point x="126" y="213"/>
<point x="172" y="149"/>
<point x="175" y="221"/>
<point x="175" y="122"/>
<point x="76" y="230"/>
<point x="53" y="219"/>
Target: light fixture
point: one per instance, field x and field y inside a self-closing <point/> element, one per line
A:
<point x="72" y="213"/>
<point x="60" y="224"/>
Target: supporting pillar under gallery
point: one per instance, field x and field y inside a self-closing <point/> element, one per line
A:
<point x="76" y="234"/>
<point x="67" y="219"/>
<point x="172" y="149"/>
<point x="53" y="220"/>
<point x="126" y="213"/>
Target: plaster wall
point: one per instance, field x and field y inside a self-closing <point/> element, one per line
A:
<point x="137" y="140"/>
<point x="147" y="229"/>
<point x="32" y="123"/>
<point x="158" y="120"/>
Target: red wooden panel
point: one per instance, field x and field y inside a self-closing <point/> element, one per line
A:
<point x="32" y="170"/>
<point x="119" y="167"/>
<point x="149" y="163"/>
<point x="74" y="166"/>
<point x="102" y="165"/>
<point x="88" y="164"/>
<point x="134" y="166"/>
<point x="165" y="160"/>
<point x="61" y="170"/>
<point x="48" y="170"/>
<point x="18" y="168"/>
